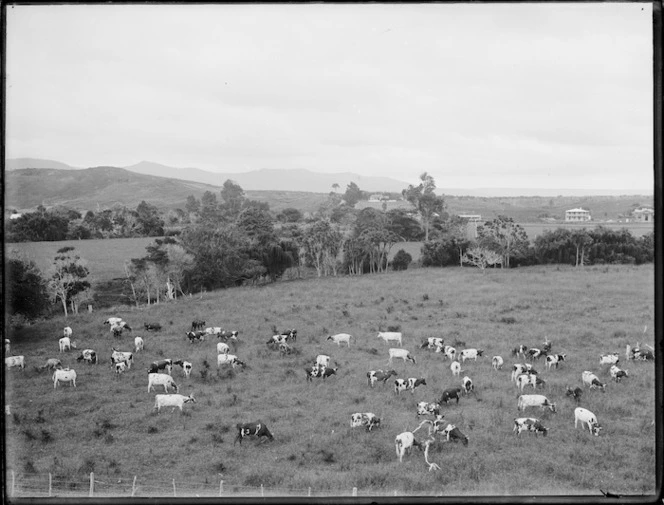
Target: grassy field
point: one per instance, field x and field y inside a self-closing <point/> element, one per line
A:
<point x="107" y="424"/>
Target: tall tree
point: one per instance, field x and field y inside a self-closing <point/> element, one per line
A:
<point x="232" y="198"/>
<point x="148" y="220"/>
<point x="504" y="236"/>
<point x="25" y="289"/>
<point x="424" y="199"/>
<point x="353" y="194"/>
<point x="581" y="239"/>
<point x="69" y="277"/>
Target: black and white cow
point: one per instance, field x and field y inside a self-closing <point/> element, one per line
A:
<point x="197" y="324"/>
<point x="451" y="432"/>
<point x="529" y="424"/>
<point x="592" y="381"/>
<point x="366" y="419"/>
<point x="320" y="371"/>
<point x="450" y="394"/>
<point x="152" y="326"/>
<point x="554" y="360"/>
<point x="256" y="429"/>
<point x="467" y="385"/>
<point x="426" y="408"/>
<point x="617" y="374"/>
<point x="575" y="393"/>
<point x="196" y="336"/>
<point x="88" y="355"/>
<point x="520" y="351"/>
<point x="162" y="364"/>
<point x="534" y="353"/>
<point x="435" y="343"/>
<point x="408" y="384"/>
<point x="379" y="375"/>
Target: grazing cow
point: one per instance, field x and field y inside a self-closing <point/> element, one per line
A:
<point x="404" y="442"/>
<point x="450" y="352"/>
<point x="390" y="336"/>
<point x="15" y="361"/>
<point x="456" y="368"/>
<point x="152" y="326"/>
<point x="113" y="320"/>
<point x="529" y="424"/>
<point x="322" y="360"/>
<point x="540" y="401"/>
<point x="228" y="335"/>
<point x="546" y="348"/>
<point x="89" y="356"/>
<point x="120" y="367"/>
<point x="67" y="332"/>
<point x="65" y="375"/>
<point x="161" y="379"/>
<point x="527" y="378"/>
<point x="195" y="336"/>
<point x="257" y="429"/>
<point x="617" y="373"/>
<point x="586" y="417"/>
<point x="213" y="330"/>
<point x="320" y="371"/>
<point x="609" y="359"/>
<point x="229" y="359"/>
<point x="534" y="353"/>
<point x="592" y="381"/>
<point x="554" y="359"/>
<point x="379" y="375"/>
<point x="450" y="394"/>
<point x="197" y="324"/>
<point x="408" y="384"/>
<point x="451" y="432"/>
<point x="51" y="364"/>
<point x="644" y="355"/>
<point x="276" y="339"/>
<point x="400" y="353"/>
<point x="223" y="348"/>
<point x="467" y="385"/>
<point x="497" y="362"/>
<point x="290" y="334"/>
<point x="162" y="364"/>
<point x="426" y="408"/>
<point x="117" y="331"/>
<point x="433" y="343"/>
<point x="119" y="356"/>
<point x="172" y="400"/>
<point x="66" y="344"/>
<point x="139" y="344"/>
<point x="520" y="351"/>
<point x="366" y="419"/>
<point x="339" y="338"/>
<point x="518" y="369"/>
<point x="471" y="354"/>
<point x="186" y="367"/>
<point x="575" y="393"/>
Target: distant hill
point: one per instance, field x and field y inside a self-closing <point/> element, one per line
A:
<point x="20" y="163"/>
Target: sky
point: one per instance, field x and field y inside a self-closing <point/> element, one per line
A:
<point x="477" y="95"/>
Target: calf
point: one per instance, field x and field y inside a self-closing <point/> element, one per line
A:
<point x="497" y="362"/>
<point x="451" y="432"/>
<point x="390" y="336"/>
<point x="586" y="417"/>
<point x="456" y="368"/>
<point x="256" y="429"/>
<point x="592" y="381"/>
<point x="15" y="362"/>
<point x="467" y="385"/>
<point x="529" y="424"/>
<point x="162" y="364"/>
<point x="339" y="338"/>
<point x="197" y="324"/>
<point x="229" y="359"/>
<point x="617" y="373"/>
<point x="89" y="356"/>
<point x="161" y="379"/>
<point x="450" y="394"/>
<point x="195" y="336"/>
<point x="540" y="401"/>
<point x="401" y="354"/>
<point x="575" y="393"/>
<point x="120" y="367"/>
<point x="433" y="343"/>
<point x="404" y="442"/>
<point x="139" y="344"/>
<point x="379" y="375"/>
<point x="408" y="384"/>
<point x="554" y="359"/>
<point x="366" y="419"/>
<point x="152" y="326"/>
<point x="425" y="408"/>
<point x="119" y="356"/>
<point x="173" y="400"/>
<point x="66" y="344"/>
<point x="609" y="359"/>
<point x="67" y="332"/>
<point x="51" y="364"/>
<point x="471" y="354"/>
<point x="65" y="375"/>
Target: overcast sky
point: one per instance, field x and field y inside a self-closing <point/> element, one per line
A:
<point x="511" y="95"/>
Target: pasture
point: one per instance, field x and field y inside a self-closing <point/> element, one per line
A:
<point x="107" y="424"/>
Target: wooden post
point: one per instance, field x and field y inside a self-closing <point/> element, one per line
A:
<point x="13" y="484"/>
<point x="221" y="487"/>
<point x="92" y="483"/>
<point x="133" y="487"/>
<point x="354" y="491"/>
<point x="174" y="494"/>
<point x="50" y="483"/>
<point x="262" y="491"/>
<point x="309" y="491"/>
<point x="395" y="492"/>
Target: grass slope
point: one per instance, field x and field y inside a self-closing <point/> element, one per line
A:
<point x="107" y="424"/>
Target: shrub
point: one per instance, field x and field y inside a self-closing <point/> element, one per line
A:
<point x="401" y="260"/>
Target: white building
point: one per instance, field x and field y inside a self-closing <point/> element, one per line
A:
<point x="643" y="215"/>
<point x="574" y="215"/>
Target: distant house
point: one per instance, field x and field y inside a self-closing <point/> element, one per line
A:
<point x="644" y="215"/>
<point x="15" y="215"/>
<point x="575" y="215"/>
<point x="472" y="218"/>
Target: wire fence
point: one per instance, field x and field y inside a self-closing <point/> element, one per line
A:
<point x="48" y="485"/>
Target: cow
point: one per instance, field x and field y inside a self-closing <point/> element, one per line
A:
<point x="223" y="348"/>
<point x="404" y="442"/>
<point x="390" y="336"/>
<point x="575" y="393"/>
<point x="197" y="324"/>
<point x="497" y="362"/>
<point x="592" y="381"/>
<point x="172" y="400"/>
<point x="520" y="351"/>
<point x="534" y="353"/>
<point x="450" y="394"/>
<point x="117" y="331"/>
<point x="186" y="367"/>
<point x="139" y="344"/>
<point x="451" y="432"/>
<point x="588" y="418"/>
<point x="379" y="375"/>
<point x="120" y="367"/>
<point x="51" y="364"/>
<point x="320" y="371"/>
<point x="276" y="339"/>
<point x="527" y="378"/>
<point x="152" y="326"/>
<point x="529" y="424"/>
<point x="433" y="343"/>
<point x="88" y="355"/>
<point x="161" y="379"/>
<point x="518" y="369"/>
<point x="546" y="348"/>
<point x="290" y="334"/>
<point x="471" y="354"/>
<point x="119" y="356"/>
<point x="257" y="429"/>
<point x="113" y="320"/>
<point x="554" y="359"/>
<point x="339" y="338"/>
<point x="609" y="359"/>
<point x="456" y="368"/>
<point x="323" y="360"/>
<point x="67" y="332"/>
<point x="15" y="362"/>
<point x="66" y="344"/>
<point x="467" y="385"/>
<point x="366" y="419"/>
<point x="8" y="346"/>
<point x="228" y="335"/>
<point x="162" y="364"/>
<point x="226" y="359"/>
<point x="65" y="375"/>
<point x="195" y="336"/>
<point x="426" y="408"/>
<point x="617" y="373"/>
<point x="399" y="353"/>
<point x="540" y="401"/>
<point x="450" y="352"/>
<point x="408" y="384"/>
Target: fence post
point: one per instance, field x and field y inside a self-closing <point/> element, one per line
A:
<point x="262" y="491"/>
<point x="309" y="494"/>
<point x="395" y="492"/>
<point x="50" y="482"/>
<point x="13" y="484"/>
<point x="354" y="491"/>
<point x="133" y="487"/>
<point x="92" y="483"/>
<point x="221" y="487"/>
<point x="174" y="494"/>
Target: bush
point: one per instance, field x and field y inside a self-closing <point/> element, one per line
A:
<point x="401" y="260"/>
